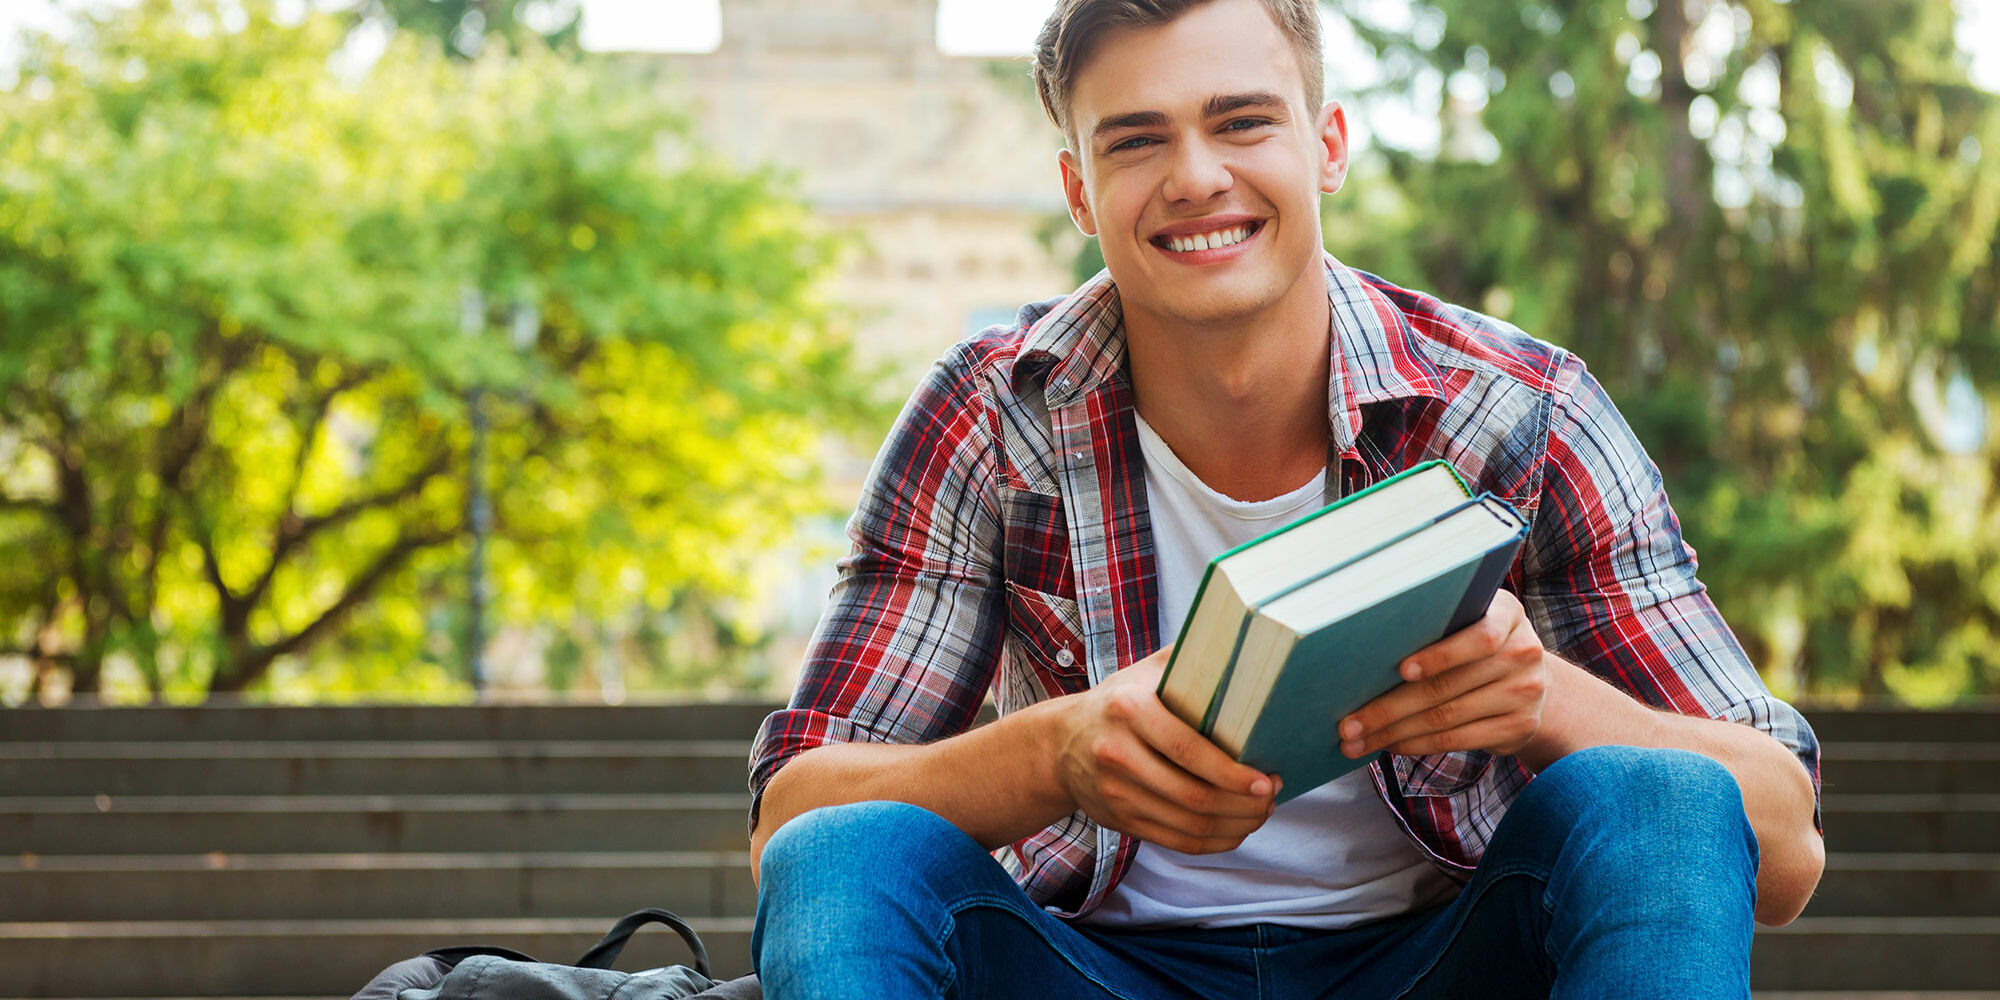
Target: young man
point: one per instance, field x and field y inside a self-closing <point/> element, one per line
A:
<point x="1589" y="793"/>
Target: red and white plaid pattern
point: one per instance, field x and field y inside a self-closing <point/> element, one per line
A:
<point x="1002" y="543"/>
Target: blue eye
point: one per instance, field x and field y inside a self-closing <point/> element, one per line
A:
<point x="1133" y="143"/>
<point x="1246" y="124"/>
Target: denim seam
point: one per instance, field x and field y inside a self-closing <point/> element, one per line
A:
<point x="1004" y="905"/>
<point x="1257" y="957"/>
<point x="1465" y="912"/>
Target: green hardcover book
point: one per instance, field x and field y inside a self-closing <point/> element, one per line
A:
<point x="1293" y="630"/>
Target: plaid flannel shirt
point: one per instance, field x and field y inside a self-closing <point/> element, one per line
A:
<point x="1003" y="543"/>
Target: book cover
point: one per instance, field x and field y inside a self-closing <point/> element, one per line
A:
<point x="1337" y="669"/>
<point x="1210" y="632"/>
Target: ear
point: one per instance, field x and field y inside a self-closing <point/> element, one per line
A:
<point x="1333" y="143"/>
<point x="1073" y="193"/>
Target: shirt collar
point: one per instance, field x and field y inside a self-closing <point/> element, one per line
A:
<point x="1378" y="356"/>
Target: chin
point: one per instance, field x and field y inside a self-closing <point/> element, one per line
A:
<point x="1222" y="305"/>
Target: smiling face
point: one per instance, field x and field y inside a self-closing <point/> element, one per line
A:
<point x="1198" y="166"/>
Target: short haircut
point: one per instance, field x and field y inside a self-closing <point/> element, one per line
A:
<point x="1070" y="36"/>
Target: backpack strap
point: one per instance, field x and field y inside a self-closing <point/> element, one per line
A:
<point x="605" y="951"/>
<point x="459" y="953"/>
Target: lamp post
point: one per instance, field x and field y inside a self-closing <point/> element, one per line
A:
<point x="478" y="506"/>
<point x="524" y="325"/>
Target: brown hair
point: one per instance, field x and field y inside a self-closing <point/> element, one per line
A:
<point x="1070" y="36"/>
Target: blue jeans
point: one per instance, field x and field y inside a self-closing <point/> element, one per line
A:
<point x="1618" y="872"/>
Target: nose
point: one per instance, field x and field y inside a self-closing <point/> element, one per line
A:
<point x="1196" y="173"/>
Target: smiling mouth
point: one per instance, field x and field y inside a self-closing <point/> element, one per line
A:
<point x="1224" y="237"/>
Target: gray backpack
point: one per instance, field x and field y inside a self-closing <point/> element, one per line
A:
<point x="486" y="972"/>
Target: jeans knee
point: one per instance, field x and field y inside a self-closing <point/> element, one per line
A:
<point x="859" y="843"/>
<point x="839" y="885"/>
<point x="1658" y="800"/>
<point x="1645" y="779"/>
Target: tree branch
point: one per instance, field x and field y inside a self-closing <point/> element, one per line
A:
<point x="310" y="433"/>
<point x="293" y="532"/>
<point x="38" y="655"/>
<point x="46" y="507"/>
<point x="235" y="611"/>
<point x="254" y="663"/>
<point x="189" y="421"/>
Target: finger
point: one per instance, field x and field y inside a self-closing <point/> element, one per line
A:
<point x="1160" y="822"/>
<point x="1490" y="700"/>
<point x="1142" y="765"/>
<point x="1174" y="840"/>
<point x="1476" y="641"/>
<point x="1500" y="734"/>
<point x="1195" y="754"/>
<point x="1412" y="699"/>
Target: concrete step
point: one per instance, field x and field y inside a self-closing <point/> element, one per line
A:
<point x="1908" y="885"/>
<point x="1910" y="768"/>
<point x="1879" y="724"/>
<point x="1931" y="824"/>
<point x="1876" y="995"/>
<point x="704" y="720"/>
<point x="359" y="886"/>
<point x="328" y="824"/>
<point x="330" y="958"/>
<point x="1758" y="995"/>
<point x="720" y="720"/>
<point x="348" y="767"/>
<point x="362" y="886"/>
<point x="110" y="824"/>
<point x="1878" y="953"/>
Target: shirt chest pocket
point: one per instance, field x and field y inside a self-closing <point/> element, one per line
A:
<point x="1045" y="636"/>
<point x="1440" y="775"/>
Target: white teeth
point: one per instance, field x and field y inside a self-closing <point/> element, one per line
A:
<point x="1208" y="241"/>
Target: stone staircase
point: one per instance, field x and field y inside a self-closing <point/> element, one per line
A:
<point x="239" y="851"/>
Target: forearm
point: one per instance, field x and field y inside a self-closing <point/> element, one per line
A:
<point x="995" y="782"/>
<point x="1583" y="711"/>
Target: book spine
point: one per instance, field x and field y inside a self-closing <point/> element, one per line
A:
<point x="1492" y="569"/>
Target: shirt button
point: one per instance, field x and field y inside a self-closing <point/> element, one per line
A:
<point x="1065" y="658"/>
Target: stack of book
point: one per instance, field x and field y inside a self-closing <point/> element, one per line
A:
<point x="1293" y="630"/>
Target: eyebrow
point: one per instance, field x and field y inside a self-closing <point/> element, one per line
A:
<point x="1220" y="104"/>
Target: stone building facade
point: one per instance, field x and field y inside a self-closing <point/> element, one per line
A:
<point x="944" y="165"/>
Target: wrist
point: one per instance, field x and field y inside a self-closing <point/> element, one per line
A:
<point x="1554" y="737"/>
<point x="1580" y="710"/>
<point x="1043" y="731"/>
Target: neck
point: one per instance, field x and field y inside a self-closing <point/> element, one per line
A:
<point x="1242" y="405"/>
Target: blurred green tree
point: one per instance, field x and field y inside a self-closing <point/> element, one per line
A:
<point x="463" y="27"/>
<point x="1769" y="227"/>
<point x="233" y="427"/>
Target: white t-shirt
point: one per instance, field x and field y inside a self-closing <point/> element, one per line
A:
<point x="1331" y="858"/>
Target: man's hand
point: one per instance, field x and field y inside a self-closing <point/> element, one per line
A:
<point x="1135" y="767"/>
<point x="1480" y="688"/>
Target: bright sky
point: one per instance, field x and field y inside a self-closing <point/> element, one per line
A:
<point x="966" y="27"/>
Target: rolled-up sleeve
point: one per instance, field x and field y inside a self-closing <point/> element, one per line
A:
<point x="909" y="641"/>
<point x="1610" y="584"/>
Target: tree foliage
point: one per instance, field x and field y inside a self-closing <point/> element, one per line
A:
<point x="234" y="380"/>
<point x="463" y="27"/>
<point x="1769" y="228"/>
